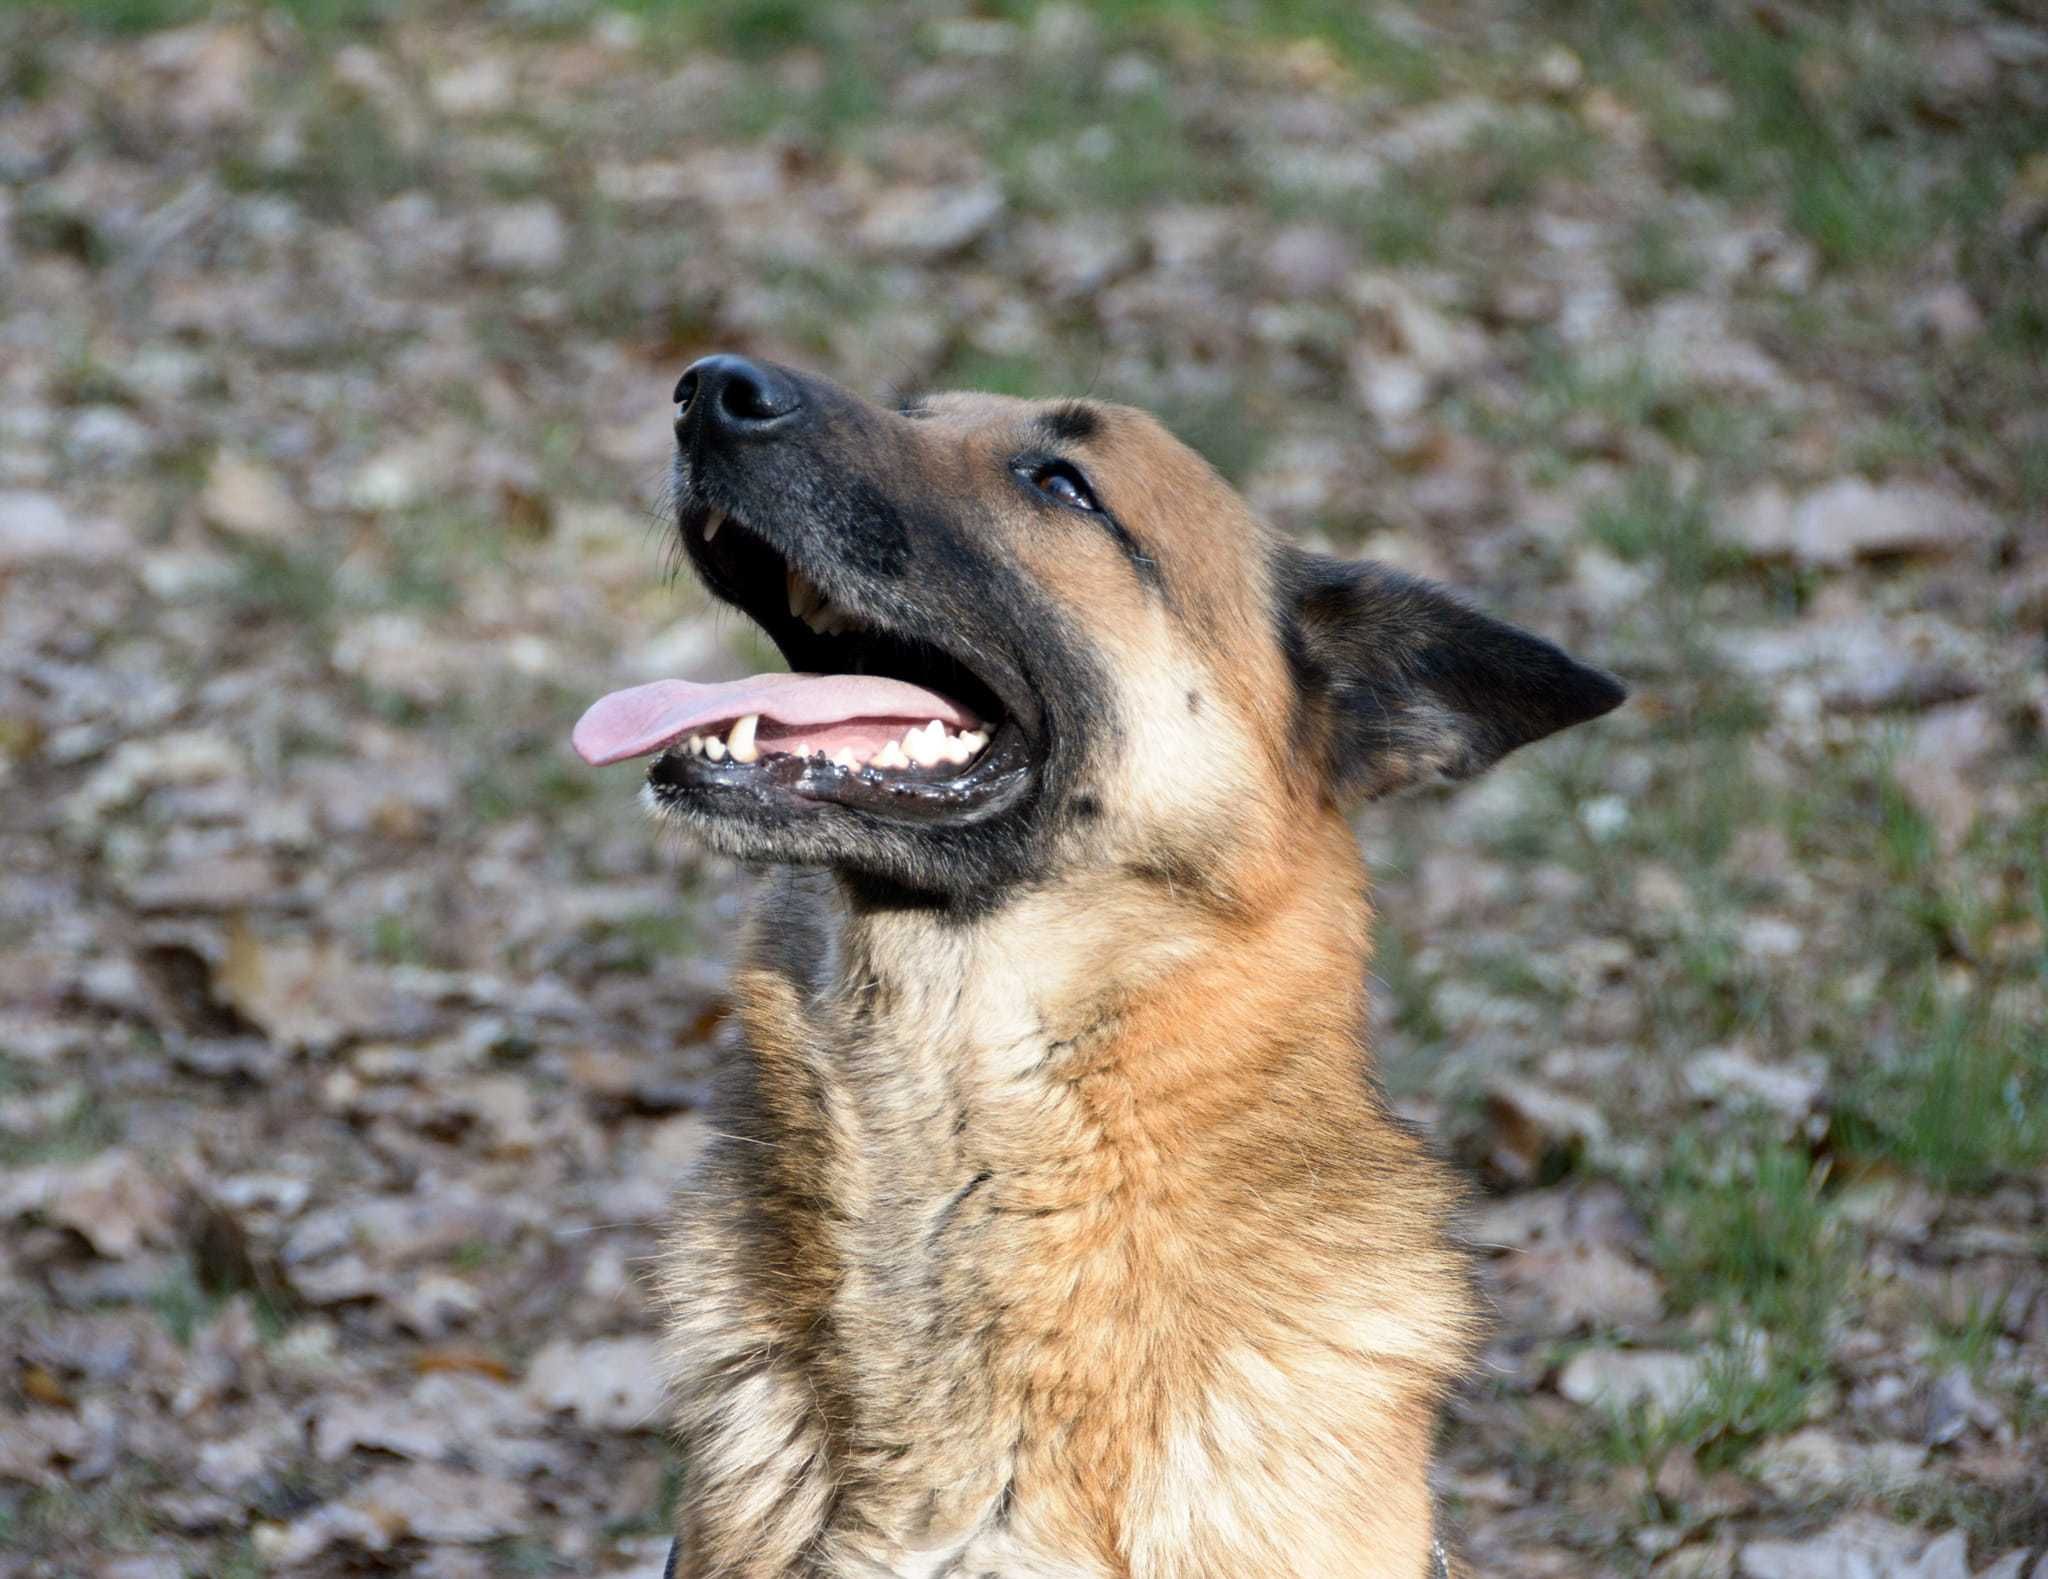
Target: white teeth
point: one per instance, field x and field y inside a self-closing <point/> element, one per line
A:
<point x="712" y="523"/>
<point x="812" y="605"/>
<point x="805" y="600"/>
<point x="923" y="746"/>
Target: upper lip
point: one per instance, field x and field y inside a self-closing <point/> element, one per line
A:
<point x="781" y="608"/>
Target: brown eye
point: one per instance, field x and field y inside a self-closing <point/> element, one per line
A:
<point x="1060" y="481"/>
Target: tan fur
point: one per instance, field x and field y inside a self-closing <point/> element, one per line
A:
<point x="1074" y="1240"/>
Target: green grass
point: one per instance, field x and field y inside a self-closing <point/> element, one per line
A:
<point x="433" y="552"/>
<point x="1651" y="520"/>
<point x="1745" y="1234"/>
<point x="86" y="1127"/>
<point x="143" y="16"/>
<point x="40" y="227"/>
<point x="1995" y="1517"/>
<point x="1064" y="144"/>
<point x="643" y="943"/>
<point x="1562" y="385"/>
<point x="528" y="1556"/>
<point x="1745" y="1228"/>
<point x="473" y="1255"/>
<point x="848" y="97"/>
<point x="280" y="583"/>
<point x="1656" y="261"/>
<point x="183" y="1302"/>
<point x="1404" y="219"/>
<point x="1350" y="29"/>
<point x="1964" y="1100"/>
<point x="1396" y="974"/>
<point x="1821" y="115"/>
<point x="72" y="1522"/>
<point x="968" y="368"/>
<point x="761" y="29"/>
<point x="1507" y="165"/>
<point x="239" y="1562"/>
<point x="1967" y="1334"/>
<point x="398" y="940"/>
<point x="1745" y="1397"/>
<point x="523" y="777"/>
<point x="350" y="160"/>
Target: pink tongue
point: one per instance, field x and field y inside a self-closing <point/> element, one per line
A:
<point x="642" y="720"/>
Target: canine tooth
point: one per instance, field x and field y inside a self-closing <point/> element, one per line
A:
<point x="714" y="748"/>
<point x="805" y="600"/>
<point x="741" y="746"/>
<point x="826" y="620"/>
<point x="712" y="523"/>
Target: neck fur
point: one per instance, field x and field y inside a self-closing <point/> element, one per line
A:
<point x="1131" y="1005"/>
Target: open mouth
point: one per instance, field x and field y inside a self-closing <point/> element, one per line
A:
<point x="872" y="715"/>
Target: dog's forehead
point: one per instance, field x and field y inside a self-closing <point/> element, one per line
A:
<point x="1079" y="424"/>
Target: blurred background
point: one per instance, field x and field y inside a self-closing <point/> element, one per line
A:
<point x="352" y="1033"/>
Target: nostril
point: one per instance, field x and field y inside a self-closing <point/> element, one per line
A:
<point x="686" y="389"/>
<point x="746" y="398"/>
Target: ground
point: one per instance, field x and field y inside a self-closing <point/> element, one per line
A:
<point x="352" y="1033"/>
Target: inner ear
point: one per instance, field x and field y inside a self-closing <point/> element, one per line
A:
<point x="1401" y="681"/>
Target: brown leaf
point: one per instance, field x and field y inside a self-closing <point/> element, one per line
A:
<point x="462" y="1357"/>
<point x="42" y="1388"/>
<point x="116" y="1202"/>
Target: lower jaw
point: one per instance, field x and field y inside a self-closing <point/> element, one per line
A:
<point x="795" y="789"/>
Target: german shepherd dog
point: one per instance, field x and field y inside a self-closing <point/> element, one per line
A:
<point x="1054" y="1227"/>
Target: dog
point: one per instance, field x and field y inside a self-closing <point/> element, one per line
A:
<point x="1054" y="1227"/>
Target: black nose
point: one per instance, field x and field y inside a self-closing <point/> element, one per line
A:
<point x="735" y="398"/>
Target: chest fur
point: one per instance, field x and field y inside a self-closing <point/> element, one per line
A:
<point x="955" y="1293"/>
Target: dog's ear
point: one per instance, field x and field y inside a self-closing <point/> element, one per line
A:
<point x="1402" y="682"/>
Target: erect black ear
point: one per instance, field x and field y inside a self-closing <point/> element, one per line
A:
<point x="1401" y="681"/>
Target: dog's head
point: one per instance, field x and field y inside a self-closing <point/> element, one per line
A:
<point x="1031" y="638"/>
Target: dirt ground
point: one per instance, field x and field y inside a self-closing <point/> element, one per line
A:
<point x="352" y="1034"/>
